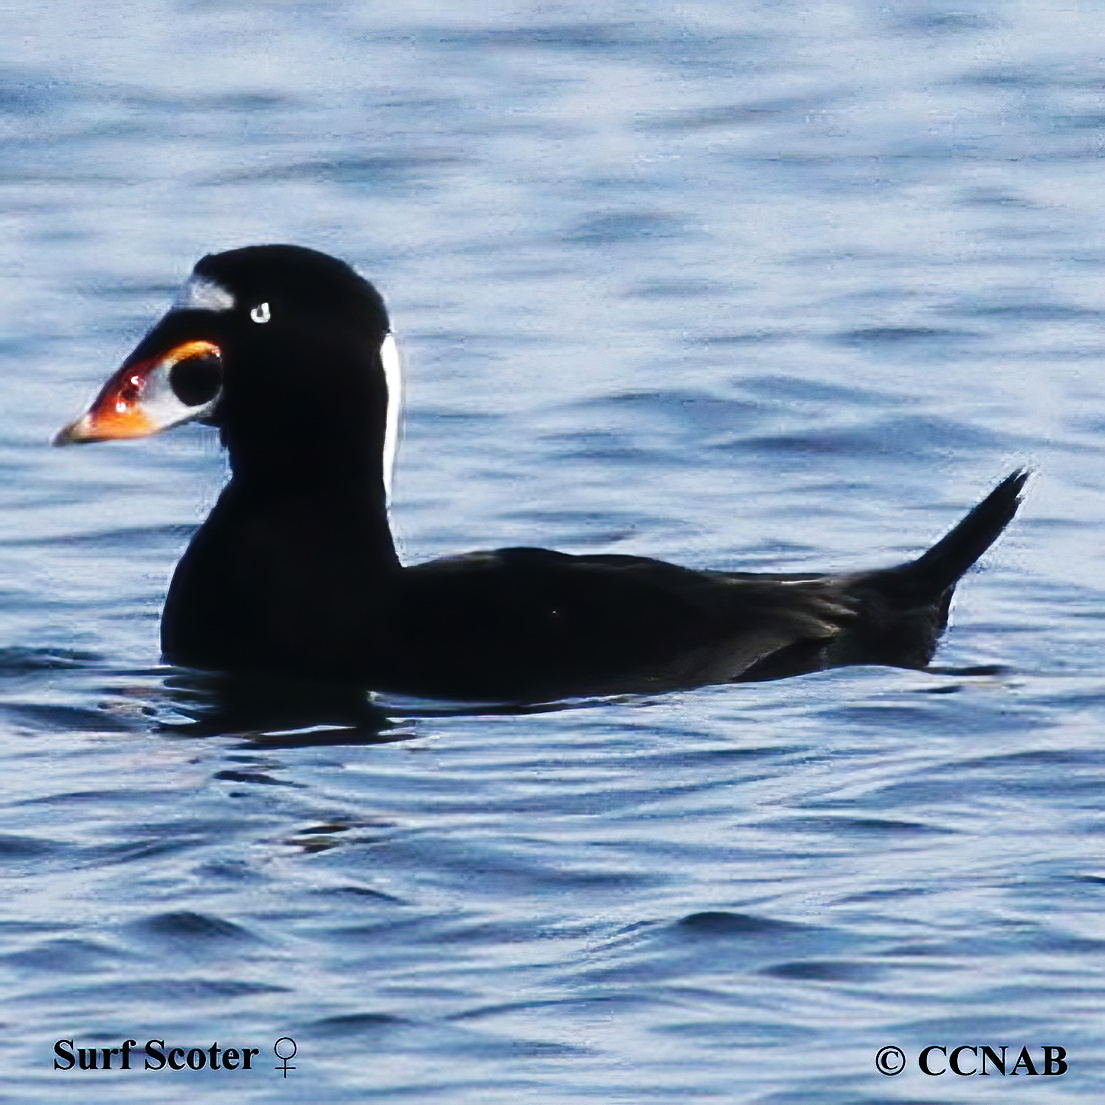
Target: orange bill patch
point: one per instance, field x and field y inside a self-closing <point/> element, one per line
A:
<point x="123" y="409"/>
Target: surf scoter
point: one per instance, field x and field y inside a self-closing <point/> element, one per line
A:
<point x="289" y="353"/>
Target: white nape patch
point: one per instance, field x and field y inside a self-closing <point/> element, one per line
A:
<point x="393" y="377"/>
<point x="201" y="293"/>
<point x="261" y="313"/>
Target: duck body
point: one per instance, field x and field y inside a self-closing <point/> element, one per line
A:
<point x="507" y="624"/>
<point x="279" y="586"/>
<point x="295" y="571"/>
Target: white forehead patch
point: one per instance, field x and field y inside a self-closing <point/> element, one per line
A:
<point x="393" y="377"/>
<point x="201" y="293"/>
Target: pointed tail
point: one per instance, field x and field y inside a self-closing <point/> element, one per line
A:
<point x="928" y="577"/>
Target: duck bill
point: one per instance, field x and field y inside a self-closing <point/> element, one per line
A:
<point x="138" y="401"/>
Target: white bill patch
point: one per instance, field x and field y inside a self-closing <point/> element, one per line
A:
<point x="393" y="377"/>
<point x="201" y="293"/>
<point x="158" y="400"/>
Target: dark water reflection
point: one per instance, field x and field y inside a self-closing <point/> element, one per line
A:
<point x="274" y="711"/>
<point x="740" y="286"/>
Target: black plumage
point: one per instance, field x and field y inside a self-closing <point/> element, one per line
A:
<point x="295" y="571"/>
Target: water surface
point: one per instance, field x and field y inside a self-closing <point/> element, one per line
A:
<point x="738" y="285"/>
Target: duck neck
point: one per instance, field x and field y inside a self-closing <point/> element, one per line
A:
<point x="333" y="507"/>
<point x="306" y="424"/>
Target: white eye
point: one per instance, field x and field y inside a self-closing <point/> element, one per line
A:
<point x="261" y="313"/>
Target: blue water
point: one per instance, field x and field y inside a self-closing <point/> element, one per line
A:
<point x="748" y="286"/>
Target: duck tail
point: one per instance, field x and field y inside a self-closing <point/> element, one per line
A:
<point x="933" y="574"/>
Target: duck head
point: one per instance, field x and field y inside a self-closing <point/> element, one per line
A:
<point x="286" y="350"/>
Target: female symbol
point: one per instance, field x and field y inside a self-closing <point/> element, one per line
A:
<point x="285" y="1058"/>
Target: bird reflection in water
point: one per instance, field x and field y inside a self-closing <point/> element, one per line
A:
<point x="277" y="713"/>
